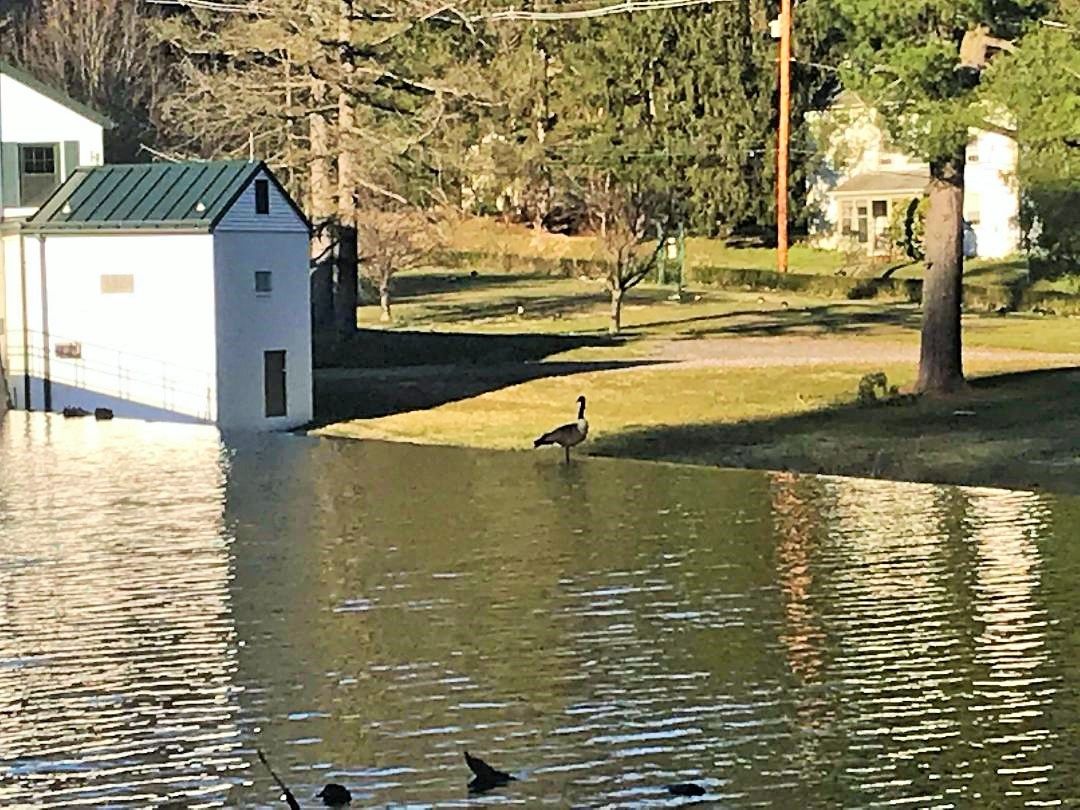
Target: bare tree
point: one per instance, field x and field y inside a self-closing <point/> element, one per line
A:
<point x="101" y="52"/>
<point x="630" y="223"/>
<point x="341" y="96"/>
<point x="393" y="240"/>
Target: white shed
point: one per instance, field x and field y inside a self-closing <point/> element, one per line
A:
<point x="175" y="291"/>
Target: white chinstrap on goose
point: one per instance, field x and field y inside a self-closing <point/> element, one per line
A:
<point x="568" y="435"/>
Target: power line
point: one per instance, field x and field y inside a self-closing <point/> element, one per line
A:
<point x="625" y="7"/>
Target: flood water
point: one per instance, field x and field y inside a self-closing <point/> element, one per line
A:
<point x="363" y="613"/>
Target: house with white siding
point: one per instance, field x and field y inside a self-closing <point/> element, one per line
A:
<point x="44" y="136"/>
<point x="865" y="182"/>
<point x="175" y="291"/>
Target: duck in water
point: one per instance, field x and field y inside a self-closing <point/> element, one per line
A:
<point x="334" y="795"/>
<point x="569" y="435"/>
<point x="484" y="776"/>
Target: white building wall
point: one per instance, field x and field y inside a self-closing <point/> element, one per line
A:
<point x="10" y="309"/>
<point x="251" y="323"/>
<point x="855" y="144"/>
<point x="242" y="217"/>
<point x="27" y="116"/>
<point x="991" y="197"/>
<point x="149" y="353"/>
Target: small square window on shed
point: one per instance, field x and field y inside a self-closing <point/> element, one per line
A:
<point x="115" y="284"/>
<point x="262" y="196"/>
<point x="264" y="281"/>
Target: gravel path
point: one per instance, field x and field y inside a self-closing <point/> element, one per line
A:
<point x="751" y="352"/>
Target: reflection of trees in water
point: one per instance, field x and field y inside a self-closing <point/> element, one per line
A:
<point x="1011" y="691"/>
<point x="117" y="641"/>
<point x="796" y="503"/>
<point x="795" y="521"/>
<point x="440" y="599"/>
<point x="926" y="599"/>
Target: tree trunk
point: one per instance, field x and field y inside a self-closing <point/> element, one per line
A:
<point x="940" y="362"/>
<point x="384" y="301"/>
<point x="346" y="287"/>
<point x="347" y="280"/>
<point x="321" y="206"/>
<point x="616" y="310"/>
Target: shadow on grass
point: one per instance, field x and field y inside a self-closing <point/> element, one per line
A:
<point x="344" y="394"/>
<point x="828" y="319"/>
<point x="988" y="436"/>
<point x="534" y="306"/>
<point x="379" y="348"/>
<point x="378" y="373"/>
<point x="409" y="286"/>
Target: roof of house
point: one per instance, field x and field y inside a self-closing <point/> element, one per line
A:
<point x="59" y="96"/>
<point x="185" y="196"/>
<point x="884" y="183"/>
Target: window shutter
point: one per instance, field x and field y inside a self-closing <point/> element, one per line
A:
<point x="71" y="159"/>
<point x="9" y="169"/>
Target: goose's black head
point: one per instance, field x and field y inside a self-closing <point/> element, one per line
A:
<point x="334" y="795"/>
<point x="581" y="407"/>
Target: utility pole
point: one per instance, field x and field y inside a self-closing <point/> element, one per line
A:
<point x="783" y="141"/>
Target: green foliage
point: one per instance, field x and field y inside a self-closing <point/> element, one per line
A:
<point x="870" y="384"/>
<point x="1038" y="85"/>
<point x="907" y="227"/>
<point x="902" y="57"/>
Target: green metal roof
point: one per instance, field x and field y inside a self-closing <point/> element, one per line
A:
<point x="60" y="97"/>
<point x="190" y="195"/>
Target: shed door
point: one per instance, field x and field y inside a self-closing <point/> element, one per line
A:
<point x="274" y="382"/>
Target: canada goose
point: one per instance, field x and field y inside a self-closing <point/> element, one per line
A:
<point x="484" y="776"/>
<point x="334" y="795"/>
<point x="568" y="435"/>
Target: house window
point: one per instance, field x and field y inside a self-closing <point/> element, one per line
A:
<point x="847" y="218"/>
<point x="972" y="207"/>
<point x="880" y="208"/>
<point x="262" y="196"/>
<point x="855" y="220"/>
<point x="38" y="173"/>
<point x="862" y="224"/>
<point x="117" y="284"/>
<point x="274" y="383"/>
<point x="264" y="282"/>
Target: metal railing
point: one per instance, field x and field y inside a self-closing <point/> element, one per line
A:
<point x="110" y="372"/>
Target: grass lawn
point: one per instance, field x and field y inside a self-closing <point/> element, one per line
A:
<point x="720" y="378"/>
<point x="773" y="418"/>
<point x="513" y="304"/>
<point x="500" y="239"/>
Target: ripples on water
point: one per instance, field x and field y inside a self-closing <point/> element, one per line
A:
<point x="365" y="612"/>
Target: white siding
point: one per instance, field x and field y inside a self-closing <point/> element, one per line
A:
<point x="990" y="186"/>
<point x="242" y="217"/>
<point x="11" y="311"/>
<point x="855" y="144"/>
<point x="249" y="324"/>
<point x="147" y="354"/>
<point x="27" y="116"/>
